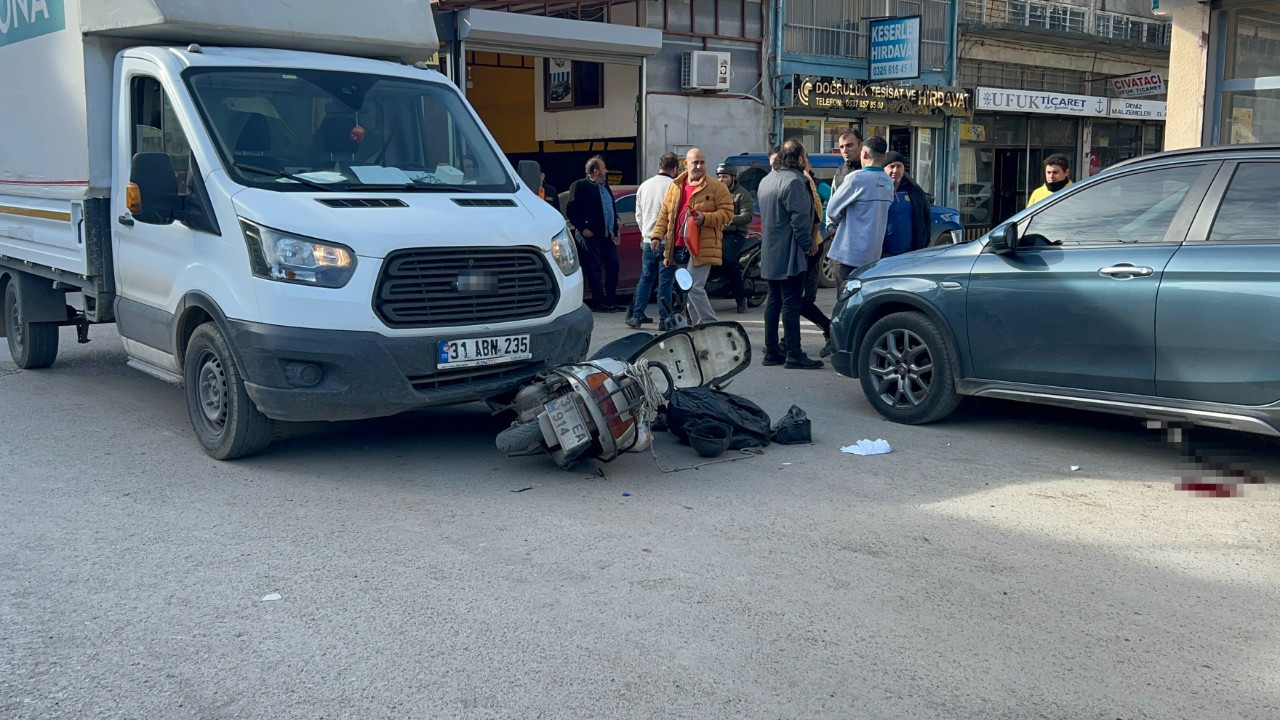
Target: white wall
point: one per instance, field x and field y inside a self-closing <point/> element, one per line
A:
<point x="615" y="120"/>
<point x="1188" y="61"/>
<point x="719" y="126"/>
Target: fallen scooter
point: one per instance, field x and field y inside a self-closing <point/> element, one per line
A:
<point x="605" y="406"/>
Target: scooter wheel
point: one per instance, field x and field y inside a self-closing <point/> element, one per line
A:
<point x="521" y="439"/>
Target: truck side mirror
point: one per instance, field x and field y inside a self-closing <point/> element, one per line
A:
<point x="153" y="190"/>
<point x="530" y="174"/>
<point x="1004" y="239"/>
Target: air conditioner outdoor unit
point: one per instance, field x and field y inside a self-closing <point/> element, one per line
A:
<point x="705" y="71"/>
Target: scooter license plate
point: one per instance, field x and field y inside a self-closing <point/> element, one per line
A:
<point x="566" y="420"/>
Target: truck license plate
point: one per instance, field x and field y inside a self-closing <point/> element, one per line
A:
<point x="567" y="421"/>
<point x="477" y="352"/>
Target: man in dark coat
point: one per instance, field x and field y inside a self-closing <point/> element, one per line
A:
<point x="851" y="150"/>
<point x="549" y="193"/>
<point x="786" y="214"/>
<point x="594" y="218"/>
<point x="910" y="225"/>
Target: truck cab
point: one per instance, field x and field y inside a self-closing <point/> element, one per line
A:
<point x="297" y="236"/>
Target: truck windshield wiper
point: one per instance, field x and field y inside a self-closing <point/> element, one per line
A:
<point x="282" y="174"/>
<point x="431" y="187"/>
<point x="381" y="186"/>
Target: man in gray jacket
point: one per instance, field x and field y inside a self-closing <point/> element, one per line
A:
<point x="786" y="215"/>
<point x="859" y="211"/>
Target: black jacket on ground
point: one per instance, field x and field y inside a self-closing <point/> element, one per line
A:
<point x="585" y="210"/>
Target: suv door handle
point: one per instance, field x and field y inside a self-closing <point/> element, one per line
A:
<point x="1124" y="271"/>
<point x="125" y="220"/>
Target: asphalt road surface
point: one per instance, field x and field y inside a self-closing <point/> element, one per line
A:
<point x="971" y="573"/>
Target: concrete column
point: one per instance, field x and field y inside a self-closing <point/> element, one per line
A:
<point x="1189" y="66"/>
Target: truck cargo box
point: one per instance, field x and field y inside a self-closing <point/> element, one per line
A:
<point x="370" y="28"/>
<point x="56" y="111"/>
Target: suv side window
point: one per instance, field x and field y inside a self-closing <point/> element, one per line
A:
<point x="1134" y="208"/>
<point x="1250" y="210"/>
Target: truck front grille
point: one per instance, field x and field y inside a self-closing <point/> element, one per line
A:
<point x="443" y="287"/>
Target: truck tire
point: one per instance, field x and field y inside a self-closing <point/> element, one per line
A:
<point x="32" y="345"/>
<point x="227" y="423"/>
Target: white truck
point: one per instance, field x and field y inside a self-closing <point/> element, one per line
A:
<point x="277" y="210"/>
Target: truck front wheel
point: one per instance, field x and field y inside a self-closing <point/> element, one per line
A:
<point x="33" y="345"/>
<point x="226" y="421"/>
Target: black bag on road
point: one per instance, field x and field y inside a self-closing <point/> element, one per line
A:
<point x="794" y="428"/>
<point x="749" y="422"/>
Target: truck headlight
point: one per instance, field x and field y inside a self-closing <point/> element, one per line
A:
<point x="951" y="217"/>
<point x="564" y="253"/>
<point x="851" y="287"/>
<point x="274" y="255"/>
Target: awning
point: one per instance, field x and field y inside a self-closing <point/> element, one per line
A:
<point x="538" y="36"/>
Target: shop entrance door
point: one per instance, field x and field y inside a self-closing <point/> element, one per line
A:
<point x="1010" y="180"/>
<point x="918" y="145"/>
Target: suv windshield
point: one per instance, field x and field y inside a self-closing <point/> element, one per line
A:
<point x="286" y="129"/>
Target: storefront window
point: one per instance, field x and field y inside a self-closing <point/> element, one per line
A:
<point x="975" y="186"/>
<point x="1249" y="99"/>
<point x="1254" y="38"/>
<point x="806" y="130"/>
<point x="1251" y="116"/>
<point x="1152" y="138"/>
<point x="1112" y="143"/>
<point x="832" y="132"/>
<point x="926" y="151"/>
<point x="1010" y="130"/>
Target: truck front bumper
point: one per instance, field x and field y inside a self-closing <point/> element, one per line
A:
<point x="366" y="375"/>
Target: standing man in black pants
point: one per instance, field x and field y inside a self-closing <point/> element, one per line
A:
<point x="809" y="309"/>
<point x="786" y="214"/>
<point x="735" y="233"/>
<point x="595" y="219"/>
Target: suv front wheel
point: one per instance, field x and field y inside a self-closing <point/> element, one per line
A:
<point x="905" y="367"/>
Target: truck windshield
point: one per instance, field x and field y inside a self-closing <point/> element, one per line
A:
<point x="289" y="130"/>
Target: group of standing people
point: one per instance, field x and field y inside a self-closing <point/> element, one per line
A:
<point x="874" y="211"/>
<point x="698" y="221"/>
<point x="687" y="218"/>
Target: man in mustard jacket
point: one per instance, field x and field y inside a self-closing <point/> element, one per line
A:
<point x="701" y="204"/>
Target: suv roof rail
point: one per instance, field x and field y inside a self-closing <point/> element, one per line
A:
<point x="1244" y="149"/>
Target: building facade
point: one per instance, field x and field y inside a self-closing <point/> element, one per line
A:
<point x="559" y="81"/>
<point x="822" y="68"/>
<point x="1083" y="78"/>
<point x="1224" y="72"/>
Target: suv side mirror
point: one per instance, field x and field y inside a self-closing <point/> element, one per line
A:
<point x="1004" y="239"/>
<point x="153" y="190"/>
<point x="530" y="174"/>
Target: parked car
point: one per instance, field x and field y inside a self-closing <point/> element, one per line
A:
<point x="1147" y="290"/>
<point x="629" y="251"/>
<point x="752" y="167"/>
<point x="975" y="203"/>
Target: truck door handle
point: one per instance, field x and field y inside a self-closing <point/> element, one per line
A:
<point x="125" y="220"/>
<point x="1125" y="271"/>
